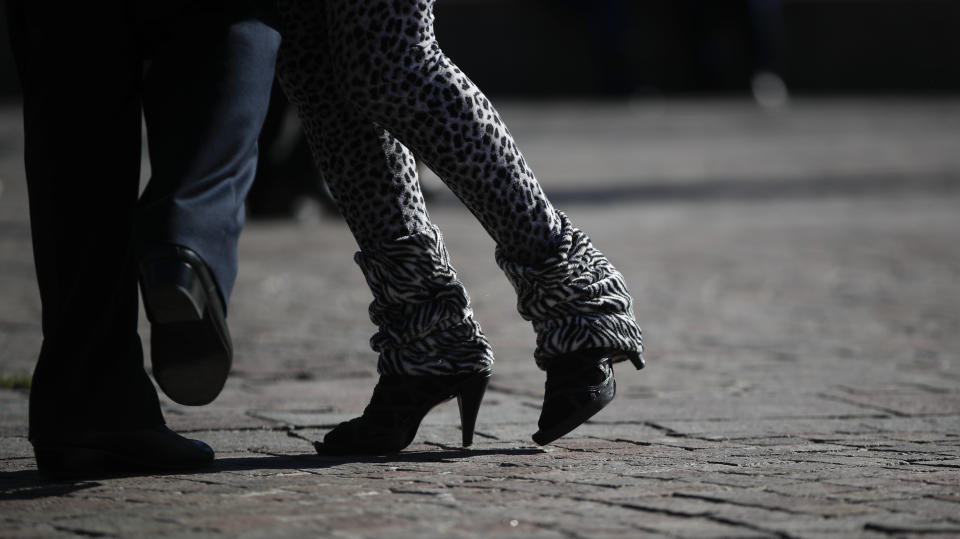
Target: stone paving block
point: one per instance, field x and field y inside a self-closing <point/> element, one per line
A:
<point x="519" y="432"/>
<point x="634" y="489"/>
<point x="946" y="462"/>
<point x="788" y="445"/>
<point x="689" y="444"/>
<point x="631" y="433"/>
<point x="19" y="340"/>
<point x="214" y="417"/>
<point x="32" y="532"/>
<point x="906" y="401"/>
<point x="13" y="413"/>
<point x="255" y="440"/>
<point x="304" y="419"/>
<point x="849" y="459"/>
<point x="813" y="526"/>
<point x="900" y="525"/>
<point x="699" y="405"/>
<point x="817" y="489"/>
<point x="15" y="447"/>
<point x="347" y="394"/>
<point x="928" y="507"/>
<point x="239" y="404"/>
<point x="950" y="478"/>
<point x="923" y="424"/>
<point x="303" y="355"/>
<point x="920" y="437"/>
<point x="885" y="494"/>
<point x="814" y="428"/>
<point x="752" y="479"/>
<point x="908" y="451"/>
<point x="675" y="526"/>
<point x="702" y="517"/>
<point x="814" y="505"/>
<point x="13" y="469"/>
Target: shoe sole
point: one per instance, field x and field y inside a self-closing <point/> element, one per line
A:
<point x="189" y="343"/>
<point x="577" y="418"/>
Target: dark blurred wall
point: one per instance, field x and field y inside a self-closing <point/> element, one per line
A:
<point x="599" y="46"/>
<point x="876" y="45"/>
<point x="9" y="87"/>
<point x="670" y="47"/>
<point x="588" y="47"/>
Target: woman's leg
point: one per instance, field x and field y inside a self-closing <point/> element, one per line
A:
<point x="422" y="311"/>
<point x="391" y="69"/>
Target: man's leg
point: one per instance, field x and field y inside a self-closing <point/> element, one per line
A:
<point x="80" y="77"/>
<point x="206" y="92"/>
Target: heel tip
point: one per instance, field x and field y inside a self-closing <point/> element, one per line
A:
<point x="636" y="359"/>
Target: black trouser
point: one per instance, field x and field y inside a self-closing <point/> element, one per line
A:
<point x="201" y="72"/>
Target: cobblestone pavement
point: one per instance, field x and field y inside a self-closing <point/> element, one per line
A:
<point x="797" y="275"/>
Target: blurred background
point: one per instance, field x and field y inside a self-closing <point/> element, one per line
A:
<point x="764" y="52"/>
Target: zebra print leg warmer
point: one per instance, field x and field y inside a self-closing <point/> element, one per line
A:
<point x="423" y="313"/>
<point x="576" y="300"/>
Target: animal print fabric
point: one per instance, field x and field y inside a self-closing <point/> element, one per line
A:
<point x="576" y="300"/>
<point x="371" y="175"/>
<point x="365" y="73"/>
<point x="368" y="74"/>
<point x="422" y="310"/>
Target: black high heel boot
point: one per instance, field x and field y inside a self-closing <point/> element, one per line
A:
<point x="398" y="405"/>
<point x="576" y="300"/>
<point x="578" y="386"/>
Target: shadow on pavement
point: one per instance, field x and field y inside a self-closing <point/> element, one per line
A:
<point x="282" y="462"/>
<point x="30" y="484"/>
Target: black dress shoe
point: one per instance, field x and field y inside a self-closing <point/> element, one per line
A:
<point x="189" y="341"/>
<point x="578" y="386"/>
<point x="93" y="454"/>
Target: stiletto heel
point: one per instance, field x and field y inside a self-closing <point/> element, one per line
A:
<point x="636" y="359"/>
<point x="398" y="405"/>
<point x="469" y="402"/>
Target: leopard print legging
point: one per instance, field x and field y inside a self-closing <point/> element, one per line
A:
<point x="366" y="74"/>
